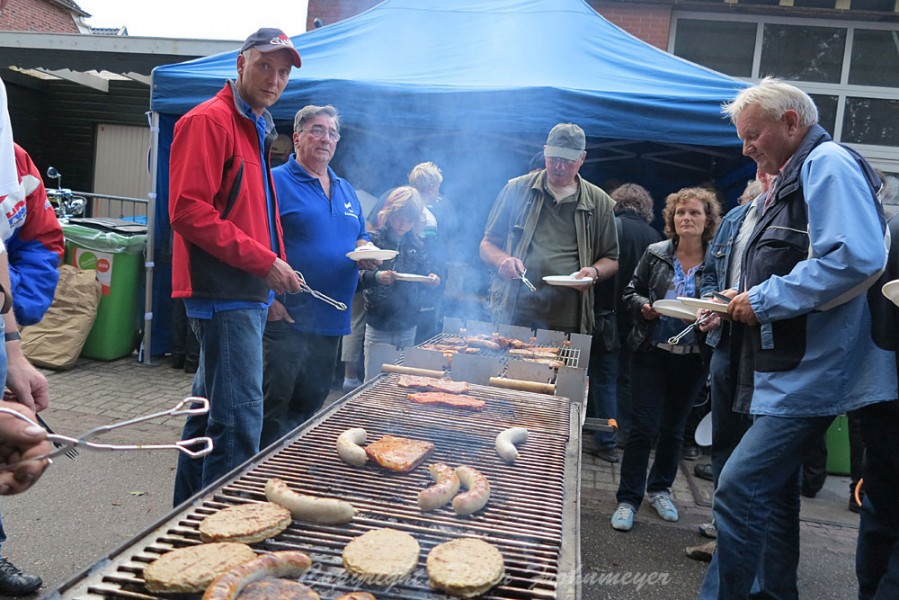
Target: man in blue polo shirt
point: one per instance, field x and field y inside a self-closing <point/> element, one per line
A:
<point x="322" y="221"/>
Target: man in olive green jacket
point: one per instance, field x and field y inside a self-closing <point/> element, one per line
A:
<point x="551" y="222"/>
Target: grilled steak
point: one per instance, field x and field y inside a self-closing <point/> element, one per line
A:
<point x="433" y="384"/>
<point x="399" y="454"/>
<point x="452" y="400"/>
<point x="541" y="352"/>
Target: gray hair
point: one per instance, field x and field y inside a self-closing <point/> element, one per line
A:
<point x="775" y="98"/>
<point x="752" y="191"/>
<point x="425" y="174"/>
<point x="309" y="112"/>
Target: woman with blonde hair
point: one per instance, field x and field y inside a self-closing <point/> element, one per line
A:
<point x="392" y="305"/>
<point x="666" y="377"/>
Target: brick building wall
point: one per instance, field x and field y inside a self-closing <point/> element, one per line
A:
<point x="37" y="15"/>
<point x="649" y="22"/>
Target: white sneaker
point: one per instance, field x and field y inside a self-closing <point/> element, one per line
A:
<point x="623" y="517"/>
<point x="664" y="506"/>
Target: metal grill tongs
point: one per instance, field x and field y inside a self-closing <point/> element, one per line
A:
<point x="192" y="405"/>
<point x="304" y="287"/>
<point x="526" y="281"/>
<point x="674" y="340"/>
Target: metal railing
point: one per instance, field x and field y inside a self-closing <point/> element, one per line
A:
<point x="116" y="207"/>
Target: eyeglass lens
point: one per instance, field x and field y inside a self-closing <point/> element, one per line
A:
<point x="319" y="131"/>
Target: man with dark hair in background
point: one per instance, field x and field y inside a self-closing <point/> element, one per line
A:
<point x="610" y="356"/>
<point x="551" y="222"/>
<point x="228" y="251"/>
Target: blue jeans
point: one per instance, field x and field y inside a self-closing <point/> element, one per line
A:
<point x="230" y="376"/>
<point x="757" y="508"/>
<point x="877" y="553"/>
<point x="400" y="339"/>
<point x="297" y="371"/>
<point x="664" y="388"/>
<point x="602" y="398"/>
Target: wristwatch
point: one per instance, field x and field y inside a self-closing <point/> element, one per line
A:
<point x="12" y="336"/>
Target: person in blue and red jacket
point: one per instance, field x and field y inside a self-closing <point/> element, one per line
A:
<point x="34" y="240"/>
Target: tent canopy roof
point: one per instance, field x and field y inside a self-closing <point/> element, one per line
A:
<point x="498" y="66"/>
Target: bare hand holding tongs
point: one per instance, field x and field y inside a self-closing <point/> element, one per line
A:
<point x="304" y="287"/>
<point x="192" y="405"/>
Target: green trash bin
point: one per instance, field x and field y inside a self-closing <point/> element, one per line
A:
<point x="115" y="249"/>
<point x="838" y="446"/>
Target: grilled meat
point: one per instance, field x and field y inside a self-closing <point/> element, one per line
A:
<point x="451" y="400"/>
<point x="432" y="384"/>
<point x="399" y="454"/>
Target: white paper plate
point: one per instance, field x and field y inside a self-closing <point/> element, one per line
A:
<point x="891" y="291"/>
<point x="703" y="434"/>
<point x="703" y="303"/>
<point x="567" y="280"/>
<point x="412" y="277"/>
<point x="673" y="308"/>
<point x="371" y="254"/>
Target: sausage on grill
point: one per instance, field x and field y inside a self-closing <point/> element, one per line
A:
<point x="446" y="485"/>
<point x="478" y="492"/>
<point x="287" y="563"/>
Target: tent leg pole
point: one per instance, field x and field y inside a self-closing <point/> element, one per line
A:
<point x="145" y="355"/>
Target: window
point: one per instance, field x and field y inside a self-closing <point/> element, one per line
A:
<point x="722" y="46"/>
<point x="875" y="58"/>
<point x="827" y="111"/>
<point x="871" y="121"/>
<point x="802" y="53"/>
<point x="858" y="102"/>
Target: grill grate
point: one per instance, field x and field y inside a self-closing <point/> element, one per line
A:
<point x="529" y="517"/>
<point x="570" y="357"/>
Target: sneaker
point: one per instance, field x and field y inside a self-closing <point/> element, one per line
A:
<point x="704" y="471"/>
<point x="13" y="582"/>
<point x="623" y="518"/>
<point x="350" y="384"/>
<point x="708" y="530"/>
<point x="701" y="552"/>
<point x="608" y="454"/>
<point x="664" y="506"/>
<point x="691" y="452"/>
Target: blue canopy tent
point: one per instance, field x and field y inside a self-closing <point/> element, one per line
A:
<point x="475" y="85"/>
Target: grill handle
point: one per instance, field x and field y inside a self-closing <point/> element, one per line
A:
<point x="403" y="370"/>
<point x="523" y="386"/>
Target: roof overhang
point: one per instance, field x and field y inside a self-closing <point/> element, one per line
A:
<point x="84" y="58"/>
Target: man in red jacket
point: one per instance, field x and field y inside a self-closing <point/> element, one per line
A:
<point x="228" y="255"/>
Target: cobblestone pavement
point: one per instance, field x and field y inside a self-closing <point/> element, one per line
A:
<point x="83" y="509"/>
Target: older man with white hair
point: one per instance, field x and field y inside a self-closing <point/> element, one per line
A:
<point x="808" y="352"/>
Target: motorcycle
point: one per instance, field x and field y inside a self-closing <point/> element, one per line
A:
<point x="66" y="203"/>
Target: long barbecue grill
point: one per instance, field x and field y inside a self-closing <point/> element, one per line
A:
<point x="532" y="516"/>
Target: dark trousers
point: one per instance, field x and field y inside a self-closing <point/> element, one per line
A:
<point x="664" y="387"/>
<point x="184" y="341"/>
<point x="728" y="426"/>
<point x="877" y="553"/>
<point x="623" y="391"/>
<point x="296" y="377"/>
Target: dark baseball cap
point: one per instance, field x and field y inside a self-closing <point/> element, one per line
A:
<point x="270" y="39"/>
<point x="565" y="140"/>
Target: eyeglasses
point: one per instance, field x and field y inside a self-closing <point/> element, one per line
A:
<point x="320" y="131"/>
<point x="560" y="161"/>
